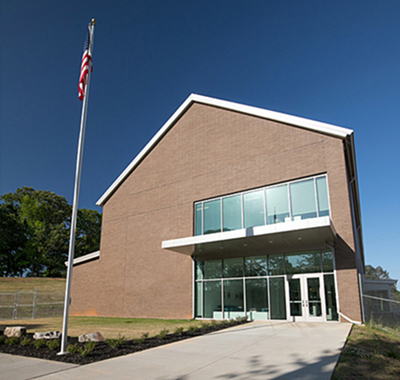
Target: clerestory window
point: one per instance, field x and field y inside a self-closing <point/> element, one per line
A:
<point x="289" y="201"/>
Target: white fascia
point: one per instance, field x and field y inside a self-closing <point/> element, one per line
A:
<point x="82" y="259"/>
<point x="312" y="125"/>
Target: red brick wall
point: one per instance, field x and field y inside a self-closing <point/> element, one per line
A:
<point x="208" y="152"/>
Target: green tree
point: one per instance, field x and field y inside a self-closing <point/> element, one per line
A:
<point x="12" y="242"/>
<point x="44" y="219"/>
<point x="378" y="273"/>
<point x="88" y="227"/>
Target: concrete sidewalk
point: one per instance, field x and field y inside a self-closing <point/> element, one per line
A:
<point x="258" y="350"/>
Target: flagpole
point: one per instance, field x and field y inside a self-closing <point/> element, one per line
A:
<point x="71" y="250"/>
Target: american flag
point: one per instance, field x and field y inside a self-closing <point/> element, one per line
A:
<point x="86" y="58"/>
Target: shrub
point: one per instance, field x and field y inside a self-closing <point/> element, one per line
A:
<point x="204" y="325"/>
<point x="39" y="343"/>
<point x="12" y="340"/>
<point x="117" y="342"/>
<point x="242" y="319"/>
<point x="73" y="348"/>
<point x="162" y="334"/>
<point x="2" y="339"/>
<point x="89" y="346"/>
<point x="178" y="331"/>
<point x="142" y="338"/>
<point x="192" y="329"/>
<point x="25" y="341"/>
<point x="53" y="344"/>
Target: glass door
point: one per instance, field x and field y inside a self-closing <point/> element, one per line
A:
<point x="306" y="298"/>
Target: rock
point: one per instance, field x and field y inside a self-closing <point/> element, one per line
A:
<point x="93" y="337"/>
<point x="16" y="331"/>
<point x="47" y="335"/>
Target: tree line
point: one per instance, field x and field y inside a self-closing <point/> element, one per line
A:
<point x="35" y="231"/>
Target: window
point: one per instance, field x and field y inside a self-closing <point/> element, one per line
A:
<point x="232" y="212"/>
<point x="302" y="198"/>
<point x="212" y="216"/>
<point x="227" y="288"/>
<point x="282" y="203"/>
<point x="277" y="204"/>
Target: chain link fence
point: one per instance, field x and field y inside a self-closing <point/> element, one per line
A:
<point x="31" y="305"/>
<point x="379" y="308"/>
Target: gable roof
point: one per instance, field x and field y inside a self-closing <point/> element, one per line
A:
<point x="312" y="125"/>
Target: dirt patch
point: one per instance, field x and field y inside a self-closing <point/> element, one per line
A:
<point x="104" y="350"/>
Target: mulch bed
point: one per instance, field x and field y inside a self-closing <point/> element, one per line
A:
<point x="103" y="350"/>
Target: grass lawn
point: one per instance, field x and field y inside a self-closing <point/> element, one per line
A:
<point x="44" y="285"/>
<point x="371" y="352"/>
<point x="109" y="327"/>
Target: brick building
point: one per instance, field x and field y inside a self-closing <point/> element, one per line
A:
<point x="230" y="210"/>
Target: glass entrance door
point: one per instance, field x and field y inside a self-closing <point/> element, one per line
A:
<point x="306" y="298"/>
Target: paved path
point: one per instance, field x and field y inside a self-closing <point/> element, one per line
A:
<point x="259" y="350"/>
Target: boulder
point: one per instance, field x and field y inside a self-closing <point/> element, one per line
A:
<point x="47" y="335"/>
<point x="14" y="331"/>
<point x="93" y="337"/>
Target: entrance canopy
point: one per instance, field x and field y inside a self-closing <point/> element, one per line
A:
<point x="275" y="238"/>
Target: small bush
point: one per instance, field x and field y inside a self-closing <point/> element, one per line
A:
<point x="192" y="329"/>
<point x="2" y="339"/>
<point x="204" y="325"/>
<point x="162" y="334"/>
<point x="39" y="343"/>
<point x="89" y="346"/>
<point x="142" y="338"/>
<point x="117" y="342"/>
<point x="53" y="344"/>
<point x="12" y="340"/>
<point x="178" y="331"/>
<point x="25" y="341"/>
<point x="73" y="348"/>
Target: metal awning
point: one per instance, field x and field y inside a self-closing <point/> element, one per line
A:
<point x="295" y="235"/>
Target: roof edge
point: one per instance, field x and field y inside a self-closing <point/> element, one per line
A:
<point x="313" y="125"/>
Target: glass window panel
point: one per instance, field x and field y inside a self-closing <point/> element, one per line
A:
<point x="253" y="204"/>
<point x="314" y="297"/>
<point x="199" y="270"/>
<point x="277" y="204"/>
<point x="257" y="295"/>
<point x="256" y="266"/>
<point x="212" y="216"/>
<point x="233" y="298"/>
<point x="277" y="297"/>
<point x="322" y="191"/>
<point x="199" y="218"/>
<point x="212" y="299"/>
<point x="232" y="212"/>
<point x="212" y="269"/>
<point x="275" y="265"/>
<point x="233" y="267"/>
<point x="330" y="298"/>
<point x="327" y="261"/>
<point x="295" y="297"/>
<point x="199" y="299"/>
<point x="309" y="262"/>
<point x="302" y="197"/>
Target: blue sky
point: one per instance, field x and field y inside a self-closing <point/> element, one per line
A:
<point x="332" y="61"/>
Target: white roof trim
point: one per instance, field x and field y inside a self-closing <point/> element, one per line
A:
<point x="249" y="110"/>
<point x="82" y="259"/>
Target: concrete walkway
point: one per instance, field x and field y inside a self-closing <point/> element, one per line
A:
<point x="259" y="350"/>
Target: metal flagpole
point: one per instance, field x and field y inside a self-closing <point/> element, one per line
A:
<point x="67" y="300"/>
